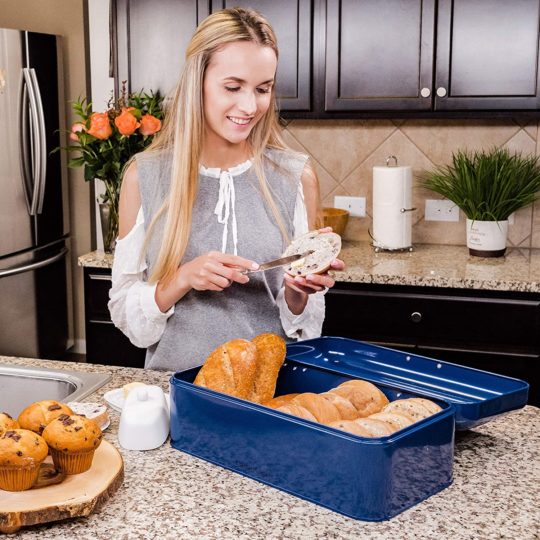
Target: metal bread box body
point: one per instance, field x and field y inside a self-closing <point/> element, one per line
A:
<point x="371" y="479"/>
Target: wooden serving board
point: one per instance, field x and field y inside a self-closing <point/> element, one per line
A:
<point x="77" y="495"/>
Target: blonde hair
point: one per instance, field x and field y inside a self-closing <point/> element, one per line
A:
<point x="183" y="132"/>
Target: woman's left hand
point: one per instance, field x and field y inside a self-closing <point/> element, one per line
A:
<point x="313" y="283"/>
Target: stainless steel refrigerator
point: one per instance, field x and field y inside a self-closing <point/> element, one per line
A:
<point x="34" y="222"/>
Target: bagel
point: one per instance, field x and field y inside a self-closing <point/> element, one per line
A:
<point x="324" y="248"/>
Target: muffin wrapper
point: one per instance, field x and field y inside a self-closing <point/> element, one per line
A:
<point x="72" y="463"/>
<point x="13" y="479"/>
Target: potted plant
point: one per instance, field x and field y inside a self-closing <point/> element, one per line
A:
<point x="106" y="141"/>
<point x="488" y="186"/>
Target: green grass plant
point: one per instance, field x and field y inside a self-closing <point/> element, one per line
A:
<point x="487" y="185"/>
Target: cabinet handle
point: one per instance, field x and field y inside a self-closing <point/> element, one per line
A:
<point x="100" y="277"/>
<point x="416" y="316"/>
<point x="425" y="92"/>
<point x="441" y="92"/>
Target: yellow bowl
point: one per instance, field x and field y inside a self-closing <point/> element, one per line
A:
<point x="335" y="218"/>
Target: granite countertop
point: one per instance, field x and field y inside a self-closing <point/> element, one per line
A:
<point x="430" y="265"/>
<point x="168" y="494"/>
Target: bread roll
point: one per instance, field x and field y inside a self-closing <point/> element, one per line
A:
<point x="278" y="401"/>
<point x="323" y="410"/>
<point x="346" y="409"/>
<point x="325" y="248"/>
<point x="414" y="409"/>
<point x="271" y="351"/>
<point x="38" y="415"/>
<point x="396" y="420"/>
<point x="230" y="369"/>
<point x="366" y="397"/>
<point x="376" y="428"/>
<point x="351" y="426"/>
<point x="297" y="410"/>
<point x="431" y="406"/>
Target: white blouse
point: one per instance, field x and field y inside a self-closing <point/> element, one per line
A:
<point x="132" y="301"/>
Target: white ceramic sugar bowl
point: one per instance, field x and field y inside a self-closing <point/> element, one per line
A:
<point x="144" y="422"/>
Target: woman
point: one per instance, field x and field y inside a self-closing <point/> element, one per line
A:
<point x="216" y="193"/>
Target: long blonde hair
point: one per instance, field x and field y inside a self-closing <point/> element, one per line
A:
<point x="183" y="132"/>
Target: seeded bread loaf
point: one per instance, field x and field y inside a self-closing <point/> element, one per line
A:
<point x="271" y="351"/>
<point x="230" y="369"/>
<point x="325" y="247"/>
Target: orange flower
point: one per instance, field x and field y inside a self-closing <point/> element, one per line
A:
<point x="100" y="127"/>
<point x="126" y="121"/>
<point x="149" y="125"/>
<point x="76" y="128"/>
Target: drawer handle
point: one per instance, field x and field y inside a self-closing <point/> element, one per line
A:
<point x="416" y="316"/>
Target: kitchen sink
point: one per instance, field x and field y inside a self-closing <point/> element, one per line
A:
<point x="20" y="386"/>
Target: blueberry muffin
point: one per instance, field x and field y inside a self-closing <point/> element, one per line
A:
<point x="7" y="423"/>
<point x="21" y="454"/>
<point x="36" y="416"/>
<point x="72" y="441"/>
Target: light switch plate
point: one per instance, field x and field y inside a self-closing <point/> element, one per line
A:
<point x="441" y="210"/>
<point x="355" y="205"/>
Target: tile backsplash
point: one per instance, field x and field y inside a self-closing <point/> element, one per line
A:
<point x="345" y="151"/>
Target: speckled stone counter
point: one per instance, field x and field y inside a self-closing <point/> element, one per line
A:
<point x="170" y="495"/>
<point x="428" y="265"/>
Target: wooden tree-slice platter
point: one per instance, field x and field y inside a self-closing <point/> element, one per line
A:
<point x="77" y="494"/>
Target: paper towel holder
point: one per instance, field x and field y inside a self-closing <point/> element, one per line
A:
<point x="377" y="245"/>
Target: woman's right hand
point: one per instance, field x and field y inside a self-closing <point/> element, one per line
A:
<point x="213" y="271"/>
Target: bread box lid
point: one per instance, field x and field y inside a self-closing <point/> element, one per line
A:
<point x="478" y="396"/>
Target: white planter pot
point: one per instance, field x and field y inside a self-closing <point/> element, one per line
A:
<point x="487" y="238"/>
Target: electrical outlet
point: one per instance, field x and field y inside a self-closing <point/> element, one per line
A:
<point x="355" y="205"/>
<point x="441" y="210"/>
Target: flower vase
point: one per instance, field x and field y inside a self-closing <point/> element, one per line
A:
<point x="109" y="225"/>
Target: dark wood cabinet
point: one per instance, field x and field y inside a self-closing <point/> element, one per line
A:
<point x="105" y="344"/>
<point x="487" y="55"/>
<point x="152" y="43"/>
<point x="490" y="330"/>
<point x="355" y="58"/>
<point x="379" y="55"/>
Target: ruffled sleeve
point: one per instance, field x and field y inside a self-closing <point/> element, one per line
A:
<point x="308" y="324"/>
<point x="132" y="303"/>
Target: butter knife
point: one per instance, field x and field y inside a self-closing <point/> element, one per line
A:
<point x="279" y="262"/>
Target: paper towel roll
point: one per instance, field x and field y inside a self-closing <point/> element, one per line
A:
<point x="392" y="192"/>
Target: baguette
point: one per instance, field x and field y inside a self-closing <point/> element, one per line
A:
<point x="230" y="369"/>
<point x="366" y="397"/>
<point x="297" y="410"/>
<point x="278" y="401"/>
<point x="347" y="410"/>
<point x="351" y="426"/>
<point x="323" y="410"/>
<point x="271" y="351"/>
<point x="325" y="247"/>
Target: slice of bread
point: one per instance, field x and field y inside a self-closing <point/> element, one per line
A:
<point x="325" y="247"/>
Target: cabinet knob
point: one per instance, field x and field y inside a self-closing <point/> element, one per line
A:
<point x="441" y="91"/>
<point x="416" y="316"/>
<point x="425" y="92"/>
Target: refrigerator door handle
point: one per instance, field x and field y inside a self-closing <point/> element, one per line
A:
<point x="24" y="154"/>
<point x="33" y="266"/>
<point x="41" y="142"/>
<point x="34" y="138"/>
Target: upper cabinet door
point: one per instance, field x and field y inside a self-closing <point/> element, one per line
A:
<point x="152" y="38"/>
<point x="487" y="55"/>
<point x="379" y="55"/>
<point x="291" y="21"/>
